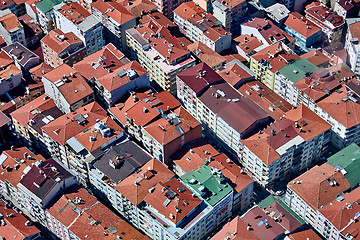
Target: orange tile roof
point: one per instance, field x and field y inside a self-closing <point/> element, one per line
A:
<point x="157" y="18"/>
<point x="247" y="42"/>
<point x="59" y="41"/>
<point x="109" y="58"/>
<point x="301" y="25"/>
<point x="314" y="188"/>
<point x="5" y="59"/>
<point x="138" y="7"/>
<point x="316" y="57"/>
<point x="33" y="108"/>
<point x="234" y="74"/>
<point x="38" y="71"/>
<point x="10" y="22"/>
<point x="113" y="10"/>
<point x="8" y="70"/>
<point x="193" y="155"/>
<point x="136" y="186"/>
<point x="113" y="81"/>
<point x="264" y="145"/>
<point x="74" y="87"/>
<point x="231" y="4"/>
<point x="345" y="112"/>
<point x="354" y="29"/>
<point x="274" y="104"/>
<point x="206" y="54"/>
<point x="184" y="200"/>
<point x="14" y="157"/>
<point x="235" y="230"/>
<point x="65" y="127"/>
<point x="238" y="178"/>
<point x="74" y="12"/>
<point x="304" y="235"/>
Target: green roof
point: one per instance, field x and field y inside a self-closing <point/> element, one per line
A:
<point x="47" y="5"/>
<point x="348" y="159"/>
<point x="214" y="190"/>
<point x="297" y="70"/>
<point x="270" y="199"/>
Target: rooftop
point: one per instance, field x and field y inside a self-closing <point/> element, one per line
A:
<point x="9" y="21"/>
<point x="59" y="41"/>
<point x="297" y="70"/>
<point x="301" y="25"/>
<point x="298" y="125"/>
<point x="74" y="12"/>
<point x="317" y="58"/>
<point x="46" y="6"/>
<point x="249" y="43"/>
<point x="347" y="161"/>
<point x="70" y="83"/>
<point x="136" y="186"/>
<point x="138" y="7"/>
<point x="236" y="73"/>
<point x="278" y="11"/>
<point x="319" y="186"/>
<point x="303" y="235"/>
<point x="121" y="160"/>
<point x="114" y="11"/>
<point x="206" y="54"/>
<point x="208" y="182"/>
<point x="320" y="12"/>
<point x="20" y="53"/>
<point x="43" y="177"/>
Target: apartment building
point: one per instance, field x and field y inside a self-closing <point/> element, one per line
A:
<point x="11" y="75"/>
<point x="67" y="88"/>
<point x="327" y="19"/>
<point x="214" y="188"/>
<point x="198" y="25"/>
<point x="72" y="17"/>
<point x="316" y="188"/>
<point x="317" y="58"/>
<point x="248" y="44"/>
<point x="41" y="184"/>
<point x="278" y="13"/>
<point x="268" y="61"/>
<point x="160" y="53"/>
<point x="352" y="46"/>
<point x="306" y="33"/>
<point x="234" y="229"/>
<point x="219" y="107"/>
<point x="167" y="7"/>
<point x="158" y="121"/>
<point x="11" y="29"/>
<point x="45" y="14"/>
<point x="59" y="48"/>
<point x="33" y="84"/>
<point x="236" y="73"/>
<point x="205" y="54"/>
<point x="286" y="147"/>
<point x="267" y="32"/>
<point x="336" y="52"/>
<point x="347" y="8"/>
<point x="79" y="215"/>
<point x="116" y="19"/>
<point x="140" y="7"/>
<point x="17" y="161"/>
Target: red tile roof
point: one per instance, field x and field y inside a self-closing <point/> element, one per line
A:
<point x="247" y="42"/>
<point x="59" y="41"/>
<point x="354" y="29"/>
<point x="315" y="188"/>
<point x="74" y="87"/>
<point x="114" y="10"/>
<point x="235" y="230"/>
<point x="206" y="54"/>
<point x="301" y="25"/>
<point x="234" y="74"/>
<point x="138" y="7"/>
<point x="10" y="22"/>
<point x="136" y="186"/>
<point x="65" y="127"/>
<point x="304" y="235"/>
<point x="316" y="57"/>
<point x="74" y="12"/>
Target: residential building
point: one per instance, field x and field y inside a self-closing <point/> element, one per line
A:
<point x="316" y="188"/>
<point x="24" y="58"/>
<point x="140" y="7"/>
<point x="16" y="161"/>
<point x="286" y="147"/>
<point x="41" y="184"/>
<point x="214" y="189"/>
<point x="306" y="33"/>
<point x="15" y="225"/>
<point x="33" y="32"/>
<point x="67" y="88"/>
<point x="79" y="215"/>
<point x="167" y="7"/>
<point x="33" y="84"/>
<point x="191" y="156"/>
<point x="160" y="53"/>
<point x="29" y="119"/>
<point x="10" y="74"/>
<point x="116" y="19"/>
<point x="274" y="104"/>
<point x="317" y="58"/>
<point x="235" y="229"/>
<point x="325" y="18"/>
<point x="352" y="46"/>
<point x="59" y="48"/>
<point x="11" y="29"/>
<point x="205" y="54"/>
<point x="236" y="73"/>
<point x="336" y="53"/>
<point x="72" y="17"/>
<point x="45" y="14"/>
<point x="112" y="86"/>
<point x="268" y="61"/>
<point x="114" y="166"/>
<point x="247" y="45"/>
<point x="347" y="8"/>
<point x="278" y="13"/>
<point x="158" y="121"/>
<point x="267" y="32"/>
<point x="198" y="25"/>
<point x="229" y="13"/>
<point x="206" y="96"/>
<point x="241" y="183"/>
<point x="294" y="5"/>
<point x="305" y="234"/>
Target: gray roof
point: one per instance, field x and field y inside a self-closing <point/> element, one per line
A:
<point x="88" y="23"/>
<point x="134" y="158"/>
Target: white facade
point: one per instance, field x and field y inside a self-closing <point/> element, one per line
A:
<point x="13" y="35"/>
<point x="352" y="48"/>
